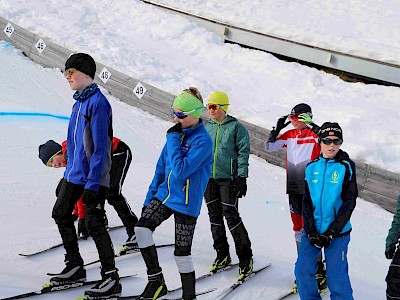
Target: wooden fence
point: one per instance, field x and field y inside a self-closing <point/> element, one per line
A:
<point x="375" y="185"/>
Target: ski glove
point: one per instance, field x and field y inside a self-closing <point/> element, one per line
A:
<point x="314" y="240"/>
<point x="241" y="187"/>
<point x="82" y="231"/>
<point x="89" y="197"/>
<point x="281" y="124"/>
<point x="389" y="252"/>
<point x="326" y="237"/>
<point x="176" y="128"/>
<point x="305" y="118"/>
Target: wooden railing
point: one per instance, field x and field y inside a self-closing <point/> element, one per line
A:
<point x="375" y="185"/>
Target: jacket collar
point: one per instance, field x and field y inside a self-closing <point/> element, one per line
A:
<point x="86" y="93"/>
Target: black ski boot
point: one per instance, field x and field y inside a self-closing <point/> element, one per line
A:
<point x="222" y="261"/>
<point x="320" y="276"/>
<point x="189" y="286"/>
<point x="130" y="246"/>
<point x="73" y="271"/>
<point x="155" y="288"/>
<point x="108" y="286"/>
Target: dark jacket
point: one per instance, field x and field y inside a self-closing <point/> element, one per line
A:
<point x="331" y="193"/>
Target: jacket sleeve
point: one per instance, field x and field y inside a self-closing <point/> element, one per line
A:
<point x="185" y="165"/>
<point x="349" y="195"/>
<point x="279" y="143"/>
<point x="394" y="231"/>
<point x="100" y="125"/>
<point x="243" y="150"/>
<point x="159" y="177"/>
<point x="308" y="211"/>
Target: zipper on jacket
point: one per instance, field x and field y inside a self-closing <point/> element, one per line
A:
<point x="187" y="191"/>
<point x="322" y="192"/>
<point x="215" y="152"/>
<point x="169" y="190"/>
<point x="76" y="126"/>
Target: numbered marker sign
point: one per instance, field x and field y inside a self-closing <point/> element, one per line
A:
<point x="139" y="90"/>
<point x="9" y="30"/>
<point x="40" y="45"/>
<point x="104" y="75"/>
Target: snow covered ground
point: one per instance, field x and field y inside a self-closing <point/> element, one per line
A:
<point x="172" y="53"/>
<point x="27" y="196"/>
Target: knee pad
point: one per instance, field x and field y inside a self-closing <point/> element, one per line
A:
<point x="184" y="263"/>
<point x="144" y="237"/>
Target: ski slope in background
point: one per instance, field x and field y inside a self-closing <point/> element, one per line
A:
<point x="27" y="197"/>
<point x="172" y="53"/>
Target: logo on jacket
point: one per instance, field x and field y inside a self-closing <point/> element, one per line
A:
<point x="335" y="177"/>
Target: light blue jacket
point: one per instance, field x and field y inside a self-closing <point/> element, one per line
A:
<point x="331" y="192"/>
<point x="183" y="170"/>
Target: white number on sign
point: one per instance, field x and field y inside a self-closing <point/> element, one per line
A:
<point x="40" y="45"/>
<point x="104" y="75"/>
<point x="139" y="90"/>
<point x="9" y="30"/>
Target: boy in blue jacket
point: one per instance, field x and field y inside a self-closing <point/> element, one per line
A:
<point x="329" y="200"/>
<point x="179" y="182"/>
<point x="87" y="175"/>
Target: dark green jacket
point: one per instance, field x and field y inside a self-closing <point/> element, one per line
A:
<point x="394" y="231"/>
<point x="231" y="148"/>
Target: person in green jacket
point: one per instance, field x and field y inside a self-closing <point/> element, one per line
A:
<point x="231" y="150"/>
<point x="391" y="252"/>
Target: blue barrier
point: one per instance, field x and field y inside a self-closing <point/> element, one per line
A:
<point x="33" y="114"/>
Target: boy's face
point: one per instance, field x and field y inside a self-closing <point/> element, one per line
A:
<point x="216" y="112"/>
<point x="77" y="80"/>
<point x="57" y="161"/>
<point x="296" y="123"/>
<point x="328" y="147"/>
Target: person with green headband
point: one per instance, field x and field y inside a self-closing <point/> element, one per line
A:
<point x="177" y="189"/>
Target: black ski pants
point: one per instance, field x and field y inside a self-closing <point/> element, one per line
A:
<point x="121" y="160"/>
<point x="62" y="214"/>
<point x="222" y="202"/>
<point x="393" y="278"/>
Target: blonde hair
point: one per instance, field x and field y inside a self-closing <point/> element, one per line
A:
<point x="195" y="92"/>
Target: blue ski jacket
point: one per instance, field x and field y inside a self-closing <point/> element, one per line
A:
<point x="330" y="196"/>
<point x="183" y="170"/>
<point x="89" y="140"/>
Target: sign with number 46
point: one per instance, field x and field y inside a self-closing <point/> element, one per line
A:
<point x="104" y="75"/>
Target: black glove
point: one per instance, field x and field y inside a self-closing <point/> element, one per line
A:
<point x="82" y="232"/>
<point x="176" y="128"/>
<point x="389" y="252"/>
<point x="326" y="237"/>
<point x="241" y="187"/>
<point x="313" y="237"/>
<point x="281" y="123"/>
<point x="89" y="197"/>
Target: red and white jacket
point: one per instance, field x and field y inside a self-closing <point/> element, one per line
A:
<point x="302" y="147"/>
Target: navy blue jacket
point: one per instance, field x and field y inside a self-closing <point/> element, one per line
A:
<point x="89" y="140"/>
